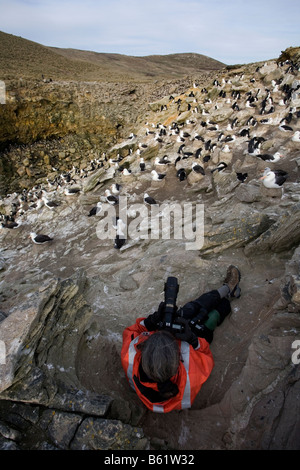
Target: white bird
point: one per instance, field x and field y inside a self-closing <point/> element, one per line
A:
<point x="282" y="102"/>
<point x="115" y="188"/>
<point x="10" y="225"/>
<point x="71" y="191"/>
<point x="220" y="167"/>
<point x="198" y="137"/>
<point x="266" y="121"/>
<point x="119" y="241"/>
<point x="95" y="210"/>
<point x="274" y="179"/>
<point x="271" y="158"/>
<point x="110" y="198"/>
<point x="119" y="226"/>
<point x="49" y="204"/>
<point x="142" y="164"/>
<point x="142" y="145"/>
<point x="157" y="176"/>
<point x="198" y="168"/>
<point x="226" y="149"/>
<point x="162" y="161"/>
<point x="39" y="239"/>
<point x="284" y="127"/>
<point x="148" y="199"/>
<point x="296" y="137"/>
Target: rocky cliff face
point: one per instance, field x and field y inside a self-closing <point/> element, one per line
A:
<point x="46" y="124"/>
<point x="66" y="304"/>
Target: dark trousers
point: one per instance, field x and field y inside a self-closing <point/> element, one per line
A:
<point x="206" y="303"/>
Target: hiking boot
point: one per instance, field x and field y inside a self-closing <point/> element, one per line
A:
<point x="232" y="279"/>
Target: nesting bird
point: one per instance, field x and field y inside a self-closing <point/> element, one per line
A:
<point x="119" y="226"/>
<point x="142" y="164"/>
<point x="157" y="176"/>
<point x="95" y="210"/>
<point x="40" y="239"/>
<point x="48" y="203"/>
<point x="10" y="224"/>
<point x="126" y="172"/>
<point x="162" y="161"/>
<point x="274" y="179"/>
<point x="226" y="149"/>
<point x="181" y="174"/>
<point x="149" y="200"/>
<point x="220" y="167"/>
<point x="198" y="168"/>
<point x="296" y="137"/>
<point x="242" y="176"/>
<point x="111" y="198"/>
<point x="270" y="158"/>
<point x="254" y="145"/>
<point x="284" y="127"/>
<point x="119" y="242"/>
<point x="115" y="188"/>
<point x="71" y="191"/>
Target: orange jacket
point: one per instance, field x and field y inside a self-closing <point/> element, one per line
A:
<point x="194" y="369"/>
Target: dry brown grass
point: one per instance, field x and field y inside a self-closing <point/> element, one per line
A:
<point x="21" y="58"/>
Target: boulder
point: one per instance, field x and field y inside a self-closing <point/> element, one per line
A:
<point x="100" y="176"/>
<point x="235" y="225"/>
<point x="248" y="193"/>
<point x="283" y="235"/>
<point x="58" y="313"/>
<point x="224" y="182"/>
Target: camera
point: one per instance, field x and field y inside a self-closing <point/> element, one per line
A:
<point x="170" y="314"/>
<point x="170" y="309"/>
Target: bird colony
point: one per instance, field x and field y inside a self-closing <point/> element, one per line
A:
<point x="243" y="124"/>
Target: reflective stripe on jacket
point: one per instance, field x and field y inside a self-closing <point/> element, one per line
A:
<point x="194" y="369"/>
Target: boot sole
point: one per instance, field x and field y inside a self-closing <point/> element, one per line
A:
<point x="236" y="293"/>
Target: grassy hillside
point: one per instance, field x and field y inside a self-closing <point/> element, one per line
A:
<point x="21" y="58"/>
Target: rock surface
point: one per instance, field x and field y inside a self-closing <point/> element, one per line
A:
<point x="66" y="304"/>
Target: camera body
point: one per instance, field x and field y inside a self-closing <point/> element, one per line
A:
<point x="170" y="309"/>
<point x="170" y="314"/>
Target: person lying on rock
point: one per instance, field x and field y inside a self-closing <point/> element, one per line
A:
<point x="166" y="368"/>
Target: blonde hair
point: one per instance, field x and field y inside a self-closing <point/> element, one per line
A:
<point x="160" y="356"/>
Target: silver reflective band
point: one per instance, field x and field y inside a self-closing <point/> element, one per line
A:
<point x="131" y="356"/>
<point x="185" y="353"/>
<point x="158" y="408"/>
